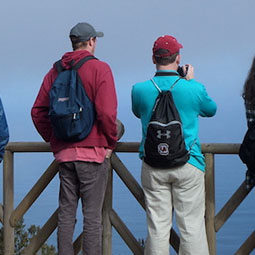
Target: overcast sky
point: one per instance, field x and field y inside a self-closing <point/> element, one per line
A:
<point x="217" y="36"/>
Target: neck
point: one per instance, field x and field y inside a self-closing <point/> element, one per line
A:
<point x="173" y="66"/>
<point x="89" y="49"/>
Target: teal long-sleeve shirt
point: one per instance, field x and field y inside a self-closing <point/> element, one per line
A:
<point x="191" y="100"/>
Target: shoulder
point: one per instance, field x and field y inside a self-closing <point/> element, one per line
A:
<point x="193" y="85"/>
<point x="142" y="85"/>
<point x="99" y="65"/>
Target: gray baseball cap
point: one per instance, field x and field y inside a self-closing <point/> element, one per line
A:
<point x="84" y="31"/>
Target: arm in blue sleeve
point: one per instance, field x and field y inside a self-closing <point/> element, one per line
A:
<point x="4" y="131"/>
<point x="207" y="106"/>
<point x="135" y="103"/>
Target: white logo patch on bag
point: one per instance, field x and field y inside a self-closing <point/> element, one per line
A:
<point x="163" y="149"/>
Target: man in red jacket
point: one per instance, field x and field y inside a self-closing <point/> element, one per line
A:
<point x="83" y="165"/>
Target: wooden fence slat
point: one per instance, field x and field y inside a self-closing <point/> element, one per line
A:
<point x="210" y="203"/>
<point x="231" y="206"/>
<point x="128" y="179"/>
<point x="34" y="193"/>
<point x="28" y="147"/>
<point x="215" y="148"/>
<point x="41" y="237"/>
<point x="107" y="207"/>
<point x="220" y="148"/>
<point x="248" y="246"/>
<point x="125" y="233"/>
<point x="174" y="240"/>
<point x="1" y="213"/>
<point x="8" y="195"/>
<point x="77" y="245"/>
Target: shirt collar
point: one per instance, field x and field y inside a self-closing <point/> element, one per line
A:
<point x="166" y="71"/>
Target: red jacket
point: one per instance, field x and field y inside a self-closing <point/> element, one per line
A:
<point x="99" y="84"/>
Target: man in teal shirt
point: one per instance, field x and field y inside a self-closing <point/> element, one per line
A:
<point x="181" y="188"/>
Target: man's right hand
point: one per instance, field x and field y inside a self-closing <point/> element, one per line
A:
<point x="108" y="153"/>
<point x="190" y="73"/>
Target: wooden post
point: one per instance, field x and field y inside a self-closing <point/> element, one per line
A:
<point x="210" y="202"/>
<point x="1" y="213"/>
<point x="8" y="201"/>
<point x="107" y="226"/>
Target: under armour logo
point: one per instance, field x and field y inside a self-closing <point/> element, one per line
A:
<point x="166" y="134"/>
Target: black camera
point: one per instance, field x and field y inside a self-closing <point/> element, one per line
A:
<point x="181" y="72"/>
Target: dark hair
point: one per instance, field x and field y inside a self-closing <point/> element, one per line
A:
<point x="164" y="60"/>
<point x="249" y="86"/>
<point x="76" y="43"/>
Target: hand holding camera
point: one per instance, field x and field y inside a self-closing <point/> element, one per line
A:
<point x="186" y="71"/>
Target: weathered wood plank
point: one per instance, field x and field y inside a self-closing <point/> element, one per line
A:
<point x="210" y="203"/>
<point x="215" y="148"/>
<point x="34" y="193"/>
<point x="41" y="237"/>
<point x="1" y="213"/>
<point x="125" y="233"/>
<point x="8" y="194"/>
<point x="231" y="206"/>
<point x="107" y="226"/>
<point x="248" y="246"/>
<point x="128" y="179"/>
<point x="77" y="245"/>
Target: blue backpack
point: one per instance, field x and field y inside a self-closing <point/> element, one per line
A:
<point x="71" y="112"/>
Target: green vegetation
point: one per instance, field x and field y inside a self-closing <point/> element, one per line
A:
<point x="23" y="237"/>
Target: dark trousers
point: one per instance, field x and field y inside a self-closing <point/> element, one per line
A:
<point x="85" y="180"/>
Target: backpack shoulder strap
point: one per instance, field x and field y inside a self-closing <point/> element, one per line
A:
<point x="58" y="66"/>
<point x="159" y="90"/>
<point x="82" y="61"/>
<point x="175" y="83"/>
<point x="155" y="84"/>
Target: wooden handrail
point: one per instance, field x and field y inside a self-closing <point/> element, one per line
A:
<point x="9" y="216"/>
<point x="215" y="148"/>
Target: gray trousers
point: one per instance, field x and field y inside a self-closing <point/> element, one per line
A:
<point x="85" y="180"/>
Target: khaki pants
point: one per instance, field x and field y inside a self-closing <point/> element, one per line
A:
<point x="181" y="188"/>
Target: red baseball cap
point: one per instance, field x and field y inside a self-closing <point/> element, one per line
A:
<point x="166" y="42"/>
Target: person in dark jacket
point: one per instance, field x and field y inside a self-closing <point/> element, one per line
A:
<point x="83" y="168"/>
<point x="249" y="102"/>
<point x="4" y="131"/>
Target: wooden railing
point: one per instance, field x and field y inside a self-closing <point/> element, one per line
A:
<point x="9" y="215"/>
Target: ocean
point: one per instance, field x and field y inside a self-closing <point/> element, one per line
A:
<point x="229" y="174"/>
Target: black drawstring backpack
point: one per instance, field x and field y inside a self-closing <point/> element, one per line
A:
<point x="164" y="144"/>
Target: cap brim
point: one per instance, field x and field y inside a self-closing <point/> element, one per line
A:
<point x="99" y="34"/>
